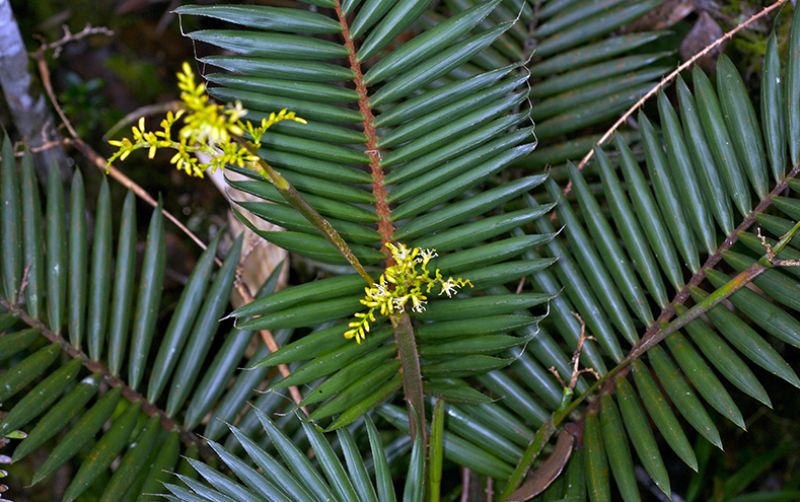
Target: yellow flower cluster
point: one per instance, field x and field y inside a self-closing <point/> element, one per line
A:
<point x="407" y="282"/>
<point x="208" y="136"/>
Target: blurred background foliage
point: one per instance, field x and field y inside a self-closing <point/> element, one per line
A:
<point x="101" y="79"/>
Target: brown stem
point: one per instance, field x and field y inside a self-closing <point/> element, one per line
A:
<point x="385" y="226"/>
<point x="741" y="279"/>
<point x="403" y="329"/>
<point x="712" y="261"/>
<point x="96" y="367"/>
<point x="412" y="376"/>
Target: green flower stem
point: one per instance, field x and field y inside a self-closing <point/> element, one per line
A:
<point x="550" y="427"/>
<point x="293" y="197"/>
<point x="403" y="329"/>
<point x="436" y="453"/>
<point x="412" y="376"/>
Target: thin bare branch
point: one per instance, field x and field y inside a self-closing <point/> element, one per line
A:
<point x="144" y="111"/>
<point x="672" y="76"/>
<point x="772" y="255"/>
<point x="68" y="37"/>
<point x="21" y="148"/>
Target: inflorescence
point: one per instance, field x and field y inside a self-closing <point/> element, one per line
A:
<point x="407" y="282"/>
<point x="210" y="137"/>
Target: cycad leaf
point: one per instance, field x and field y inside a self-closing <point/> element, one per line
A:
<point x="672" y="213"/>
<point x="108" y="340"/>
<point x="419" y="121"/>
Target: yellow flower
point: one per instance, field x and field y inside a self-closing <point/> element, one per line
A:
<point x="209" y="129"/>
<point x="408" y="280"/>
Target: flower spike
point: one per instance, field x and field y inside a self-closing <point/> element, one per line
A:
<point x="207" y="139"/>
<point x="407" y="282"/>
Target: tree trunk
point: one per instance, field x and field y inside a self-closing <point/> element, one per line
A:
<point x="31" y="116"/>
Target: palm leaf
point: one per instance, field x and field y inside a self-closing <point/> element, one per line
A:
<point x="666" y="228"/>
<point x="75" y="360"/>
<point x="386" y="129"/>
<point x="584" y="72"/>
<point x="338" y="470"/>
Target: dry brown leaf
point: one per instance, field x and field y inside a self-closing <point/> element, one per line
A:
<point x="704" y="31"/>
<point x="259" y="257"/>
<point x="664" y="16"/>
<point x="538" y="480"/>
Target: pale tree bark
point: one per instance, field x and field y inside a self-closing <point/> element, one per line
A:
<point x="32" y="118"/>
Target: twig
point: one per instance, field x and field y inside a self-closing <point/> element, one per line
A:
<point x="23" y="283"/>
<point x="69" y="37"/>
<point x="465" y="484"/>
<point x="576" y="356"/>
<point x="771" y="254"/>
<point x="669" y="78"/>
<point x="144" y="111"/>
<point x="576" y="361"/>
<point x="21" y="149"/>
<point x="96" y="159"/>
<point x="520" y="285"/>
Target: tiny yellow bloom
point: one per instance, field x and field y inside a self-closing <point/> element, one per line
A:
<point x="408" y="280"/>
<point x="208" y="128"/>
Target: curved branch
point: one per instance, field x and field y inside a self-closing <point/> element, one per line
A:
<point x="672" y="76"/>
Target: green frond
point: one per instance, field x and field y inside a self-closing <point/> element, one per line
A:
<point x="404" y="144"/>
<point x="82" y="343"/>
<point x="645" y="238"/>
<point x="335" y="470"/>
<point x="416" y="112"/>
<point x="584" y="71"/>
<point x="648" y="229"/>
